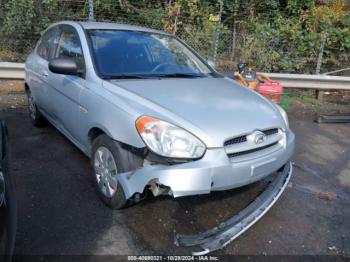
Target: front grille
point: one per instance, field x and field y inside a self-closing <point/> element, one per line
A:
<point x="251" y="150"/>
<point x="270" y="132"/>
<point x="241" y="139"/>
<point x="236" y="140"/>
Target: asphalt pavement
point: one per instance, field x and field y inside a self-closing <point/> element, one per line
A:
<point x="60" y="213"/>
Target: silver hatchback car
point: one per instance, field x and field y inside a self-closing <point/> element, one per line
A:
<point x="151" y="114"/>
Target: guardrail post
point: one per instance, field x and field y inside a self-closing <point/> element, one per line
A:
<point x="319" y="95"/>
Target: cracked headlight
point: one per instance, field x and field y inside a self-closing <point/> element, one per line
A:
<point x="284" y="115"/>
<point x="168" y="140"/>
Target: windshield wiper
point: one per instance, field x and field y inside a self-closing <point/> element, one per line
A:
<point x="181" y="75"/>
<point x="124" y="76"/>
<point x="148" y="76"/>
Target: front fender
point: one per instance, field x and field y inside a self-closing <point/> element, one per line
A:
<point x="108" y="113"/>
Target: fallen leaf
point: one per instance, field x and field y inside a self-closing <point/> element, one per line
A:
<point x="326" y="196"/>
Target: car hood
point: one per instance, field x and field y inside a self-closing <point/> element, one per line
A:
<point x="213" y="109"/>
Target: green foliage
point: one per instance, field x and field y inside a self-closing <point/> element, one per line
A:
<point x="17" y="25"/>
<point x="272" y="35"/>
<point x="25" y="20"/>
<point x="297" y="7"/>
<point x="291" y="40"/>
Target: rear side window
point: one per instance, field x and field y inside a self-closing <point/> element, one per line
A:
<point x="69" y="45"/>
<point x="47" y="43"/>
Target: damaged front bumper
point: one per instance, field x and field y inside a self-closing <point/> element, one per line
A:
<point x="214" y="172"/>
<point x="226" y="232"/>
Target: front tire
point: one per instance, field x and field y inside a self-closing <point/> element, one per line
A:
<point x="108" y="159"/>
<point x="35" y="116"/>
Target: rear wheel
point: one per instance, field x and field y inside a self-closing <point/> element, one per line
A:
<point x="108" y="159"/>
<point x="36" y="117"/>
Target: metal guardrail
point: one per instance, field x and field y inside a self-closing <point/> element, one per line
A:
<point x="12" y="71"/>
<point x="318" y="82"/>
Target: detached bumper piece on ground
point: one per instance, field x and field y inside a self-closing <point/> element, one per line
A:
<point x="333" y="119"/>
<point x="226" y="232"/>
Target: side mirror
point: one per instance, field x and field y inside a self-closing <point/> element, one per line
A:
<point x="64" y="66"/>
<point x="211" y="63"/>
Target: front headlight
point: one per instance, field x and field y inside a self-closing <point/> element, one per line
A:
<point x="168" y="140"/>
<point x="283" y="114"/>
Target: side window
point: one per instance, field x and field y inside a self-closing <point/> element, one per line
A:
<point x="69" y="45"/>
<point x="47" y="43"/>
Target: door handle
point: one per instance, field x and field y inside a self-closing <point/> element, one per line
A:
<point x="45" y="74"/>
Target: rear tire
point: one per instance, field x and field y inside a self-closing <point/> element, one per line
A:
<point x="35" y="116"/>
<point x="108" y="159"/>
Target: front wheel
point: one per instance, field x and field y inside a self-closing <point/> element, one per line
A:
<point x="108" y="159"/>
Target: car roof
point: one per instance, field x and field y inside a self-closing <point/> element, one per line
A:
<point x="117" y="26"/>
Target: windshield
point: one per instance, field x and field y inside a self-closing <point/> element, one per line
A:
<point x="123" y="54"/>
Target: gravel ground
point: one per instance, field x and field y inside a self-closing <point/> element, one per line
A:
<point x="12" y="94"/>
<point x="59" y="212"/>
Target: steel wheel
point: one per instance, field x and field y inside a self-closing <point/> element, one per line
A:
<point x="108" y="161"/>
<point x="105" y="171"/>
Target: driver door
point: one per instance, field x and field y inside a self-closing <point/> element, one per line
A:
<point x="66" y="91"/>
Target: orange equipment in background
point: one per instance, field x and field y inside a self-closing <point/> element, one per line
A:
<point x="259" y="82"/>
